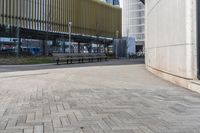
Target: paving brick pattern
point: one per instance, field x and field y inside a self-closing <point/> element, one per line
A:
<point x="104" y="99"/>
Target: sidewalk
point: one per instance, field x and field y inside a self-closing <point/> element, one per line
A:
<point x="121" y="98"/>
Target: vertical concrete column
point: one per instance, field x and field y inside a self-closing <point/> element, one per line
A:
<point x="63" y="46"/>
<point x="44" y="47"/>
<point x="79" y="47"/>
<point x="54" y="44"/>
<point x="97" y="48"/>
<point x="19" y="47"/>
<point x="0" y="45"/>
<point x="90" y="48"/>
<point x="105" y="48"/>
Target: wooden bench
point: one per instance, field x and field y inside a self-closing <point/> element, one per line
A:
<point x="79" y="58"/>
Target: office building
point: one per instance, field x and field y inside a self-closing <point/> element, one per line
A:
<point x="87" y="16"/>
<point x="113" y="2"/>
<point x="49" y="20"/>
<point x="134" y="21"/>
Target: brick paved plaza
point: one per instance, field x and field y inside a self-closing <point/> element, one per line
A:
<point x="96" y="99"/>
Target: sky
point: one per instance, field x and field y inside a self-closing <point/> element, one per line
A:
<point x="121" y="2"/>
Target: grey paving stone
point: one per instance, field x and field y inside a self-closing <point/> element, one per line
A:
<point x="48" y="127"/>
<point x="28" y="130"/>
<point x="57" y="123"/>
<point x="39" y="129"/>
<point x="3" y="125"/>
<point x="97" y="99"/>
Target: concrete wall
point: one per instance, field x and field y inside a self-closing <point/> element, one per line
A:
<point x="171" y="39"/>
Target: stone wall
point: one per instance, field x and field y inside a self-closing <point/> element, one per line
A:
<point x="171" y="39"/>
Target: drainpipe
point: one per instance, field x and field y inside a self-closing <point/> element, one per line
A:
<point x="198" y="38"/>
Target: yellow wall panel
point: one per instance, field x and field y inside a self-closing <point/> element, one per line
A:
<point x="1" y="12"/>
<point x="89" y="17"/>
<point x="4" y="12"/>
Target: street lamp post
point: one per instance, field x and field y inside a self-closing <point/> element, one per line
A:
<point x="48" y="28"/>
<point x="117" y="36"/>
<point x="0" y="44"/>
<point x="18" y="28"/>
<point x="69" y="28"/>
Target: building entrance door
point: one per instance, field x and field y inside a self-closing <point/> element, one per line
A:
<point x="198" y="38"/>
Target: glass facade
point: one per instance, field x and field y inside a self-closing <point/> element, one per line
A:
<point x="134" y="20"/>
<point x="113" y="2"/>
